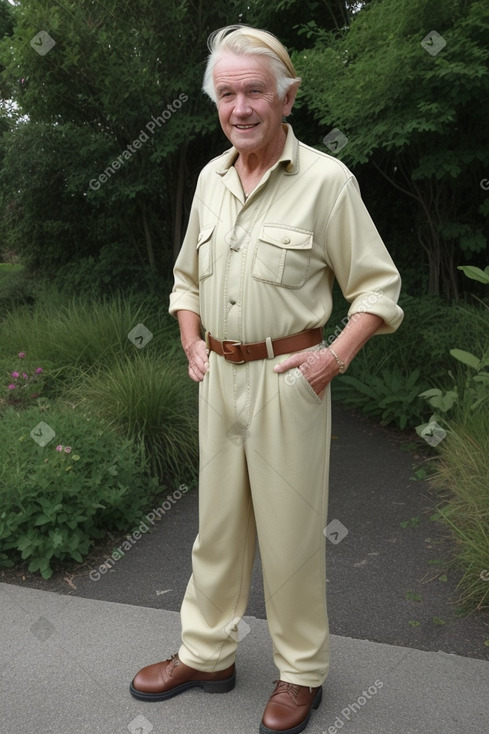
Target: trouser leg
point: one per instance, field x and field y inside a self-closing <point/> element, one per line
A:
<point x="224" y="550"/>
<point x="288" y="461"/>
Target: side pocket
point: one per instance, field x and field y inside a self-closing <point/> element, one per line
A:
<point x="205" y="250"/>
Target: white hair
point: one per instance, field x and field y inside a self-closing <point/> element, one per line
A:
<point x="246" y="41"/>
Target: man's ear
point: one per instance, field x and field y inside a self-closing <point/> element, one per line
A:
<point x="289" y="98"/>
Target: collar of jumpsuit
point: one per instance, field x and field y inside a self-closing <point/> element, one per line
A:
<point x="288" y="158"/>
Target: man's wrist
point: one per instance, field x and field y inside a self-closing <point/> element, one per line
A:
<point x="339" y="362"/>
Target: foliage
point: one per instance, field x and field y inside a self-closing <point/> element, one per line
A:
<point x="151" y="398"/>
<point x="462" y="466"/>
<point x="110" y="122"/>
<point x="418" y="118"/>
<point x="58" y="498"/>
<point x="24" y="383"/>
<point x="77" y="333"/>
<point x="386" y="378"/>
<point x="392" y="396"/>
<point x="16" y="287"/>
<point x="462" y="479"/>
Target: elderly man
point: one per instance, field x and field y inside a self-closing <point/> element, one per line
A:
<point x="273" y="223"/>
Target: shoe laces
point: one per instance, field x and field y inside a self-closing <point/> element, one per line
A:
<point x="174" y="662"/>
<point x="284" y="687"/>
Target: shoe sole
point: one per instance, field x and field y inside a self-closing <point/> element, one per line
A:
<point x="209" y="686"/>
<point x="300" y="727"/>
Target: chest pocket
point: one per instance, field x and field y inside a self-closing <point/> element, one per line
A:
<point x="282" y="255"/>
<point x="206" y="252"/>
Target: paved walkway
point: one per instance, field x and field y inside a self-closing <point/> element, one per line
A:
<point x="67" y="662"/>
<point x="403" y="660"/>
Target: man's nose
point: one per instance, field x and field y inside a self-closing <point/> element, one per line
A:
<point x="242" y="106"/>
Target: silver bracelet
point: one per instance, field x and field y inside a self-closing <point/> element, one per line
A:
<point x="339" y="362"/>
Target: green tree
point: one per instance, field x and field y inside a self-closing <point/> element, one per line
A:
<point x="110" y="93"/>
<point x="408" y="85"/>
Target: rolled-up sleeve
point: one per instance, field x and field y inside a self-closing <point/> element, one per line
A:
<point x="185" y="294"/>
<point x="360" y="261"/>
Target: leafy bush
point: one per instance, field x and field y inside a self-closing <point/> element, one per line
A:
<point x="56" y="499"/>
<point x="392" y="396"/>
<point x="459" y="429"/>
<point x="151" y="398"/>
<point x="383" y="378"/>
<point x="16" y="287"/>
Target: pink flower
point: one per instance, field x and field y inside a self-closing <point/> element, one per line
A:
<point x="22" y="355"/>
<point x="67" y="449"/>
<point x="59" y="448"/>
<point x="11" y="387"/>
<point x="39" y="370"/>
<point x="25" y="376"/>
<point x="15" y="374"/>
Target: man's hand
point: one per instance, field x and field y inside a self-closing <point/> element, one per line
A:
<point x="198" y="359"/>
<point x="318" y="367"/>
<point x="193" y="344"/>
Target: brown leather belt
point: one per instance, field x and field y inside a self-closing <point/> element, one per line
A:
<point x="238" y="353"/>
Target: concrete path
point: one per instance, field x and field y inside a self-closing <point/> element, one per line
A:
<point x="67" y="662"/>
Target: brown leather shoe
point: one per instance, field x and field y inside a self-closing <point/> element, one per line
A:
<point x="164" y="680"/>
<point x="289" y="708"/>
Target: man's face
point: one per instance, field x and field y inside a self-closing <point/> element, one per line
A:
<point x="250" y="111"/>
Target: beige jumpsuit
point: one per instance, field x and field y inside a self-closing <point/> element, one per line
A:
<point x="254" y="269"/>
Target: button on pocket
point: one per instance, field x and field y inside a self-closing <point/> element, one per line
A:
<point x="206" y="252"/>
<point x="282" y="255"/>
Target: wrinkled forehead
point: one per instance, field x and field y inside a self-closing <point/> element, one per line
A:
<point x="233" y="69"/>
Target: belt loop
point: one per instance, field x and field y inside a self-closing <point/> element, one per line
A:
<point x="269" y="345"/>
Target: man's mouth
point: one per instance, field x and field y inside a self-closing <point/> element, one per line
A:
<point x="246" y="127"/>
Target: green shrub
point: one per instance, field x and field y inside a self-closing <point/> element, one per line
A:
<point x="151" y="398"/>
<point x="391" y="396"/>
<point x="462" y="480"/>
<point x="79" y="334"/>
<point x="56" y="499"/>
<point x="16" y="287"/>
<point x="459" y="429"/>
<point x="383" y="378"/>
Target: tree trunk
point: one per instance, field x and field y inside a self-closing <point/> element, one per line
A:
<point x="148" y="239"/>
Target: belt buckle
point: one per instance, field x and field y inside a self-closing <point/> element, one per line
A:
<point x="227" y="354"/>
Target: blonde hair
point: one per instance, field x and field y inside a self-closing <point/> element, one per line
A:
<point x="246" y="41"/>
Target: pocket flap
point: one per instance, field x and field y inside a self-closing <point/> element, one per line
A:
<point x="289" y="238"/>
<point x="205" y="235"/>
